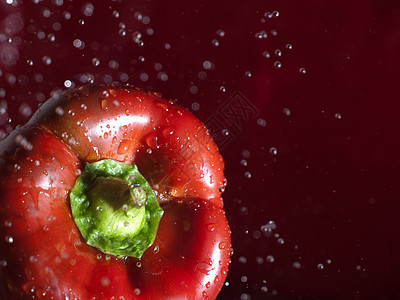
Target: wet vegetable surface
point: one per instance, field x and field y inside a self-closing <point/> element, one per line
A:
<point x="300" y="96"/>
<point x="106" y="244"/>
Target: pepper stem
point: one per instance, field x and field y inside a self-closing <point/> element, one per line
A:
<point x="115" y="208"/>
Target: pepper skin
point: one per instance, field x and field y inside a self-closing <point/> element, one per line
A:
<point x="43" y="254"/>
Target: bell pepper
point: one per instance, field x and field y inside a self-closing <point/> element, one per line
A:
<point x="111" y="192"/>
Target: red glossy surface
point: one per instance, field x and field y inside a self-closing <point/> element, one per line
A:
<point x="331" y="186"/>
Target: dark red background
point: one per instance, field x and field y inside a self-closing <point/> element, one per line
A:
<point x="331" y="186"/>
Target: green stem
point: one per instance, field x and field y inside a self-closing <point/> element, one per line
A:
<point x="115" y="208"/>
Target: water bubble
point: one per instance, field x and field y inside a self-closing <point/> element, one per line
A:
<point x="289" y="46"/>
<point x="122" y="32"/>
<point x="264" y="289"/>
<point x="281" y="241"/>
<point x="95" y="61"/>
<point x="248" y="74"/>
<point x="167" y="46"/>
<point x="338" y="116"/>
<point x="247" y="175"/>
<point x="243" y="162"/>
<point x="243" y="279"/>
<point x="275" y="14"/>
<point x="222" y="89"/>
<point x="320" y="266"/>
<point x="278" y="52"/>
<point x="156" y="249"/>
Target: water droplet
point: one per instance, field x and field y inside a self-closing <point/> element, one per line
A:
<point x="261" y="122"/>
<point x="215" y="42"/>
<point x="9" y="239"/>
<point x="156" y="249"/>
<point x="115" y="14"/>
<point x="242" y="259"/>
<point x="302" y="71"/>
<point x="220" y="32"/>
<point x="281" y="241"/>
<point x="278" y="52"/>
<point x="99" y="209"/>
<point x="266" y="54"/>
<point x="320" y="266"/>
<point x="105" y="281"/>
<point x="247" y="175"/>
<point x="338" y="116"/>
<point x="270" y="259"/>
<point x="296" y="265"/>
<point x="7" y="223"/>
<point x="195" y="106"/>
<point x="248" y="74"/>
<point x="273" y="151"/>
<point x="243" y="162"/>
<point x="289" y="46"/>
<point x="59" y="111"/>
<point x="222" y="245"/>
<point x="138" y="264"/>
<point x="222" y="89"/>
<point x="277" y="64"/>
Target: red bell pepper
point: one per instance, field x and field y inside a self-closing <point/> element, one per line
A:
<point x="80" y="222"/>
